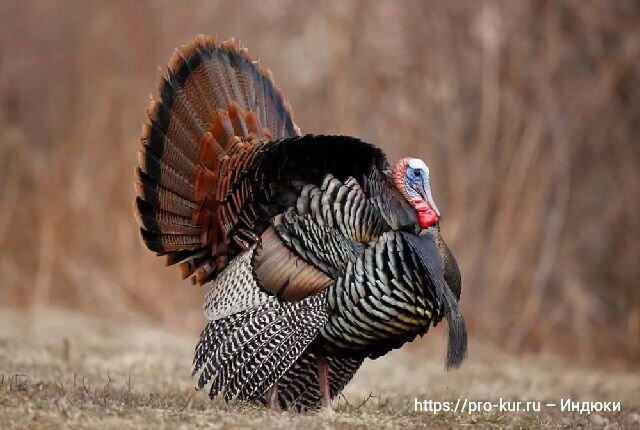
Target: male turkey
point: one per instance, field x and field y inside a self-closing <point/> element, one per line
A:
<point x="318" y="253"/>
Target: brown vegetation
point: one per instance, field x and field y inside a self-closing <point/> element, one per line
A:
<point x="527" y="112"/>
<point x="61" y="370"/>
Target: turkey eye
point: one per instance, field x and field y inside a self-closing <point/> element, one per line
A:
<point x="417" y="173"/>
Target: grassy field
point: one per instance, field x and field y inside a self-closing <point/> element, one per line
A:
<point x="63" y="370"/>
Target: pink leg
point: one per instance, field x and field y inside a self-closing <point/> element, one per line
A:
<point x="273" y="396"/>
<point x="323" y="378"/>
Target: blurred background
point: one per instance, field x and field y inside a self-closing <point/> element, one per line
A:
<point x="527" y="112"/>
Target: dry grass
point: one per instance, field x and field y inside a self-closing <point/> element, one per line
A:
<point x="65" y="371"/>
<point x="527" y="113"/>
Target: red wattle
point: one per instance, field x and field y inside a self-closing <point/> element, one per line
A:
<point x="426" y="216"/>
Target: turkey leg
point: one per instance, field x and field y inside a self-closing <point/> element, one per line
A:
<point x="272" y="396"/>
<point x="323" y="378"/>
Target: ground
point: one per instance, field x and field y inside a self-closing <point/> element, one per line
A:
<point x="64" y="370"/>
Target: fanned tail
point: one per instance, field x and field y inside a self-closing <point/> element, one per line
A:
<point x="213" y="103"/>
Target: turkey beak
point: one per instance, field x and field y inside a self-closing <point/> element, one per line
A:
<point x="426" y="195"/>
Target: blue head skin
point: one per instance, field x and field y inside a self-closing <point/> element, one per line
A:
<point x="417" y="183"/>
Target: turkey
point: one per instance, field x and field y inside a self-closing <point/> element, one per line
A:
<point x="317" y="252"/>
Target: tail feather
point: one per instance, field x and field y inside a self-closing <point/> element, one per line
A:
<point x="161" y="198"/>
<point x="160" y="172"/>
<point x="192" y="93"/>
<point x="179" y="157"/>
<point x="158" y="220"/>
<point x="172" y="120"/>
<point x="212" y="101"/>
<point x="169" y="242"/>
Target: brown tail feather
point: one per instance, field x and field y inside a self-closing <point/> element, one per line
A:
<point x="162" y="173"/>
<point x="162" y="198"/>
<point x="171" y="153"/>
<point x="162" y="222"/>
<point x="215" y="109"/>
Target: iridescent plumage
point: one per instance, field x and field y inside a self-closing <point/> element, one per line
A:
<point x="316" y="255"/>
